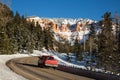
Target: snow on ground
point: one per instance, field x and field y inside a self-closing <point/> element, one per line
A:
<point x="76" y="64"/>
<point x="56" y="56"/>
<point x="5" y="72"/>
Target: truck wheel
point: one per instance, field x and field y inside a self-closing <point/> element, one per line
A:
<point x="54" y="68"/>
<point x="38" y="65"/>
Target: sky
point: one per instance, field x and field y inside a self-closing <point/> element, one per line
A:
<point x="93" y="9"/>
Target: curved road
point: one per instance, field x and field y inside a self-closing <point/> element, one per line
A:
<point x="28" y="68"/>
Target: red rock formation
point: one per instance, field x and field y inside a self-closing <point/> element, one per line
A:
<point x="64" y="28"/>
<point x="45" y="23"/>
<point x="80" y="26"/>
<point x="54" y="26"/>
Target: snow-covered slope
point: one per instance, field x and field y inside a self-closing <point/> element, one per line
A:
<point x="73" y="63"/>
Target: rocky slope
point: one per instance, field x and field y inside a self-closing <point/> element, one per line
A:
<point x="67" y="29"/>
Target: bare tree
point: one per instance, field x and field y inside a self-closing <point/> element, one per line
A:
<point x="3" y="19"/>
<point x="7" y="2"/>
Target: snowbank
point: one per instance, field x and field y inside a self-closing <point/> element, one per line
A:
<point x="5" y="72"/>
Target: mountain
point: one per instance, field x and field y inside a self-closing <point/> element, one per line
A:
<point x="66" y="28"/>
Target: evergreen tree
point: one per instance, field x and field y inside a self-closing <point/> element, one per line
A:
<point x="106" y="42"/>
<point x="17" y="18"/>
<point x="117" y="48"/>
<point x="38" y="37"/>
<point x="31" y="42"/>
<point x="92" y="44"/>
<point x="4" y="43"/>
<point x="48" y="38"/>
<point x="6" y="16"/>
<point x="78" y="49"/>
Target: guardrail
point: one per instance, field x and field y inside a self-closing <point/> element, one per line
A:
<point x="88" y="73"/>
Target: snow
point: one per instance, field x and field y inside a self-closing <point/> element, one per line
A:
<point x="57" y="56"/>
<point x="73" y="63"/>
<point x="5" y="72"/>
<point x="61" y="60"/>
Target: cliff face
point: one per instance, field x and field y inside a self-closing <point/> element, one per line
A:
<point x="61" y="25"/>
<point x="65" y="28"/>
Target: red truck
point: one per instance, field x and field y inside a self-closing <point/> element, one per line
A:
<point x="47" y="61"/>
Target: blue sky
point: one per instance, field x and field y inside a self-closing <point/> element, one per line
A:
<point x="92" y="9"/>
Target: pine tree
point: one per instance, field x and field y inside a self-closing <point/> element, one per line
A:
<point x="4" y="43"/>
<point x="48" y="38"/>
<point x="38" y="37"/>
<point x="92" y="45"/>
<point x="106" y="44"/>
<point x="78" y="49"/>
<point x="17" y="18"/>
<point x="117" y="48"/>
<point x="31" y="42"/>
<point x="6" y="16"/>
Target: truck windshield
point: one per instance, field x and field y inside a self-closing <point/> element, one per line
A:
<point x="50" y="58"/>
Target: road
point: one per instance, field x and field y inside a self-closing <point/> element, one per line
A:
<point x="27" y="67"/>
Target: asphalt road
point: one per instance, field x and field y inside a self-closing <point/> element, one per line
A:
<point x="27" y="67"/>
